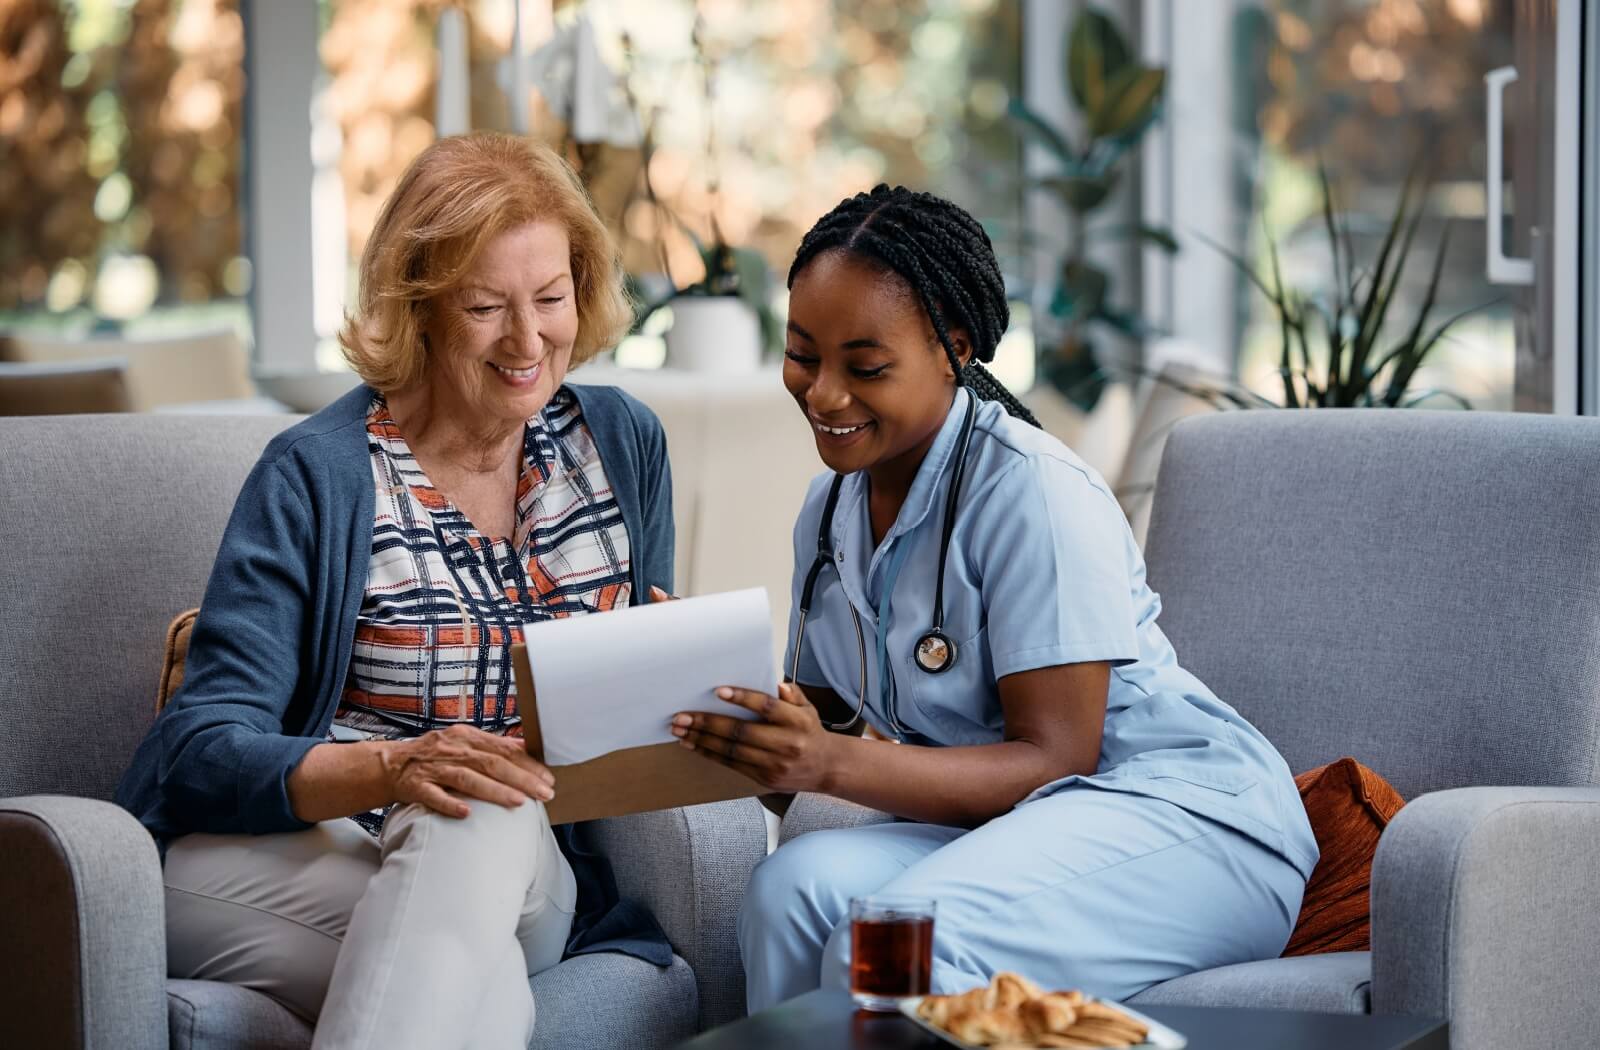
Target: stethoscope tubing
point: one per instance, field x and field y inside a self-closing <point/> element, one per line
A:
<point x="825" y="557"/>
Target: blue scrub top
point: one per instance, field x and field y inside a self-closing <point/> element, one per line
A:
<point x="1042" y="570"/>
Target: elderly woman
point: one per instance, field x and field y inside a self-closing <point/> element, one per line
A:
<point x="352" y="655"/>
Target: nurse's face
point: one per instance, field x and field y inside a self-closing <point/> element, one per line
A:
<point x="864" y="364"/>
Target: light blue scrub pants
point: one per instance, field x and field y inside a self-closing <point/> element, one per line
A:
<point x="1090" y="889"/>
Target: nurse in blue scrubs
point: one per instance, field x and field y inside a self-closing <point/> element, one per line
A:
<point x="1083" y="810"/>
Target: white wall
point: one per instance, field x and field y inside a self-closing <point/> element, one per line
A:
<point x="281" y="70"/>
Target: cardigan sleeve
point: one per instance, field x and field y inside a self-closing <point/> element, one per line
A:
<point x="656" y="494"/>
<point x="225" y="756"/>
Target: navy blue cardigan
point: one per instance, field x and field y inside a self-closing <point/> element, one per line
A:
<point x="271" y="647"/>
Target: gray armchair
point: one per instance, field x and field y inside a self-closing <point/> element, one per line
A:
<point x="1420" y="590"/>
<point x="109" y="526"/>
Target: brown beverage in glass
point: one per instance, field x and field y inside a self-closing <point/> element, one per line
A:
<point x="891" y="950"/>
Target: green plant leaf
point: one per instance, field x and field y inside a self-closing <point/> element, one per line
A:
<point x="1074" y="372"/>
<point x="1096" y="51"/>
<point x="1342" y="275"/>
<point x="1280" y="302"/>
<point x="1243" y="267"/>
<point x="1407" y="367"/>
<point x="1082" y="291"/>
<point x="1431" y="392"/>
<point x="1033" y="126"/>
<point x="1131" y="100"/>
<point x="1082" y="194"/>
<point x="1380" y="292"/>
<point x="1125" y="321"/>
<point x="1160" y="236"/>
<point x="1408" y="354"/>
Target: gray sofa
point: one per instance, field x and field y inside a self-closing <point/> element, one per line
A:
<point x="109" y="525"/>
<point x="1420" y="590"/>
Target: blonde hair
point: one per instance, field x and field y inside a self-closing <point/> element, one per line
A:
<point x="459" y="194"/>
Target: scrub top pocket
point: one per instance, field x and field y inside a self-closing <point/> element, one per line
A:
<point x="959" y="707"/>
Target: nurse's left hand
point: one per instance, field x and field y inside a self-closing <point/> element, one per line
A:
<point x="787" y="750"/>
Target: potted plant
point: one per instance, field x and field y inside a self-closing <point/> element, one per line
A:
<point x="1118" y="98"/>
<point x="724" y="321"/>
<point x="1344" y="348"/>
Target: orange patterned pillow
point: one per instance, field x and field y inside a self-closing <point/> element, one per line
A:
<point x="176" y="652"/>
<point x="1349" y="806"/>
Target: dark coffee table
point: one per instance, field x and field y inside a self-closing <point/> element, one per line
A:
<point x="828" y="1020"/>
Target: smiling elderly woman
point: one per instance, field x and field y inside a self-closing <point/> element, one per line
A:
<point x="352" y="655"/>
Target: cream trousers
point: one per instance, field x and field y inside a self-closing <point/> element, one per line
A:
<point x="426" y="938"/>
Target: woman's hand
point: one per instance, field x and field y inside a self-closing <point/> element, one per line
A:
<point x="788" y="750"/>
<point x="437" y="767"/>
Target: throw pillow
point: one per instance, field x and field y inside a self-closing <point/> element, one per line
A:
<point x="176" y="652"/>
<point x="1349" y="806"/>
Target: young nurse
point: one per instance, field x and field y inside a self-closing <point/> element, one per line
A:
<point x="1082" y="809"/>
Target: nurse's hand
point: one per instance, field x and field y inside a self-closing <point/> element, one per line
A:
<point x="787" y="750"/>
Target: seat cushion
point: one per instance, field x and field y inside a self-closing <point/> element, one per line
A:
<point x="599" y="1002"/>
<point x="211" y="1015"/>
<point x="1334" y="982"/>
<point x="589" y="1002"/>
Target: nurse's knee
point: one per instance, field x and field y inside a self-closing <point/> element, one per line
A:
<point x="793" y="885"/>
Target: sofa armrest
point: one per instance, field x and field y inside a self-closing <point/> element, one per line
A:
<point x="690" y="867"/>
<point x="83" y="924"/>
<point x="812" y="812"/>
<point x="1483" y="913"/>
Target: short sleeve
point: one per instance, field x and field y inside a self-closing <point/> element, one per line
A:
<point x="1055" y="568"/>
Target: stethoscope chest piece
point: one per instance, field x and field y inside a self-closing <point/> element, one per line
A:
<point x="935" y="652"/>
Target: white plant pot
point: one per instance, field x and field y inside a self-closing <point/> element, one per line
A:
<point x="715" y="333"/>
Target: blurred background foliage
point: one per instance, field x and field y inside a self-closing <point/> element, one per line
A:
<point x="123" y="202"/>
<point x="119" y="155"/>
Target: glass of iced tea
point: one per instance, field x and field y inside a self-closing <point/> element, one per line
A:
<point x="891" y="950"/>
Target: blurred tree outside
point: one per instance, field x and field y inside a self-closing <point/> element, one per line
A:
<point x="813" y="100"/>
<point x="120" y="159"/>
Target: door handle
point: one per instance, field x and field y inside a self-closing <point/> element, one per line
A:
<point x="1502" y="268"/>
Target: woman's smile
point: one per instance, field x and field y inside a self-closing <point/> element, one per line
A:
<point x="517" y="377"/>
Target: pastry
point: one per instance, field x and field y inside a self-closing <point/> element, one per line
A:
<point x="1013" y="1013"/>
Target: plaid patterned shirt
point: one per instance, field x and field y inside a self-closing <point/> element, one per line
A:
<point x="445" y="603"/>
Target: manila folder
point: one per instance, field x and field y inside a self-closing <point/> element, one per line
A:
<point x="632" y="780"/>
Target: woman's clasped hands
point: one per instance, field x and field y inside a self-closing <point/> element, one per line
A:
<point x="787" y="750"/>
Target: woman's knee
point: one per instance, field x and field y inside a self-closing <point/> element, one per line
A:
<point x="505" y="833"/>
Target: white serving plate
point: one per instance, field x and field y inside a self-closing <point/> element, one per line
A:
<point x="1161" y="1037"/>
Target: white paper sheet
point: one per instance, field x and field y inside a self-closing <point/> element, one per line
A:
<point x="614" y="680"/>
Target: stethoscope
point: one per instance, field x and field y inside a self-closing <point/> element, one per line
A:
<point x="935" y="651"/>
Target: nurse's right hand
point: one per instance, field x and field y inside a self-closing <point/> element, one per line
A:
<point x="438" y="767"/>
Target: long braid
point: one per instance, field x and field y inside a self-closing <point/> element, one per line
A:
<point x="944" y="255"/>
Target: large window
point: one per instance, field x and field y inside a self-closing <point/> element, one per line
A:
<point x="120" y="188"/>
<point x="748" y="120"/>
<point x="1373" y="92"/>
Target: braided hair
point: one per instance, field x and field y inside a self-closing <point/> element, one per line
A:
<point x="942" y="252"/>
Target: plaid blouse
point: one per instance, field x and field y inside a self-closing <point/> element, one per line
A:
<point x="445" y="603"/>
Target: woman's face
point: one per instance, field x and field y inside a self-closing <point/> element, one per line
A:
<point x="500" y="342"/>
<point x="864" y="364"/>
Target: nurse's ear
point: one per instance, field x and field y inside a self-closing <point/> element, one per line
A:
<point x="960" y="342"/>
